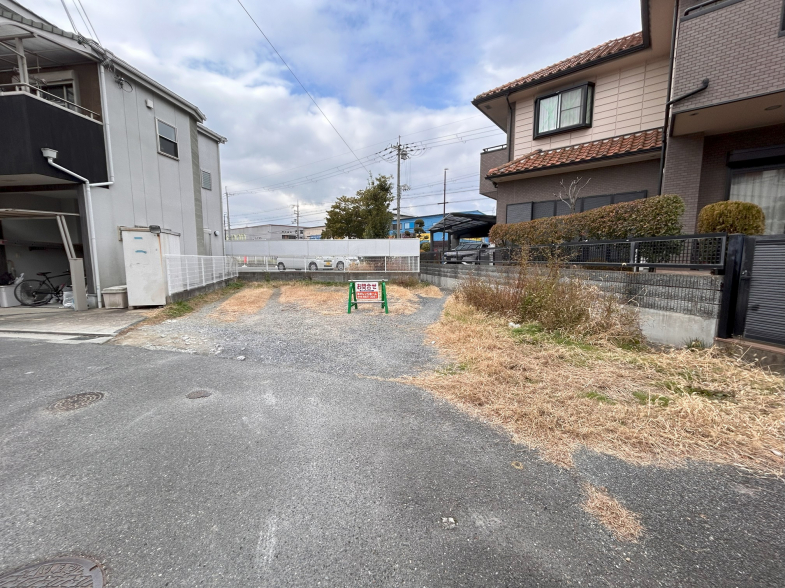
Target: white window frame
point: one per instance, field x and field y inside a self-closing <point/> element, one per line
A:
<point x="159" y="137"/>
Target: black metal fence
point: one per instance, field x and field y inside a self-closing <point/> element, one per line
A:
<point x="705" y="251"/>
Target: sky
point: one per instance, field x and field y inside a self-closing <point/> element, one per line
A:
<point x="377" y="70"/>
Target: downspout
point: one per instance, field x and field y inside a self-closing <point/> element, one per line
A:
<point x="668" y="95"/>
<point x="90" y="225"/>
<point x="509" y="128"/>
<point x="107" y="132"/>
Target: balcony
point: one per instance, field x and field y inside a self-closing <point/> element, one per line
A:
<point x="490" y="158"/>
<point x="32" y="119"/>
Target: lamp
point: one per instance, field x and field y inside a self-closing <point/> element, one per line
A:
<point x="49" y="153"/>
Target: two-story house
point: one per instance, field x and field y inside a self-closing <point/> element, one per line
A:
<point x="634" y="117"/>
<point x="129" y="153"/>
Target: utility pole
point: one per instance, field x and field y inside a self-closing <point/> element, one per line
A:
<point x="398" y="180"/>
<point x="296" y="208"/>
<point x="228" y="218"/>
<point x="444" y="209"/>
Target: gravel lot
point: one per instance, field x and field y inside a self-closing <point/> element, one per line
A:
<point x="365" y="342"/>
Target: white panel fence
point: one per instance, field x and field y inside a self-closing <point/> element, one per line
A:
<point x="348" y="255"/>
<point x="186" y="272"/>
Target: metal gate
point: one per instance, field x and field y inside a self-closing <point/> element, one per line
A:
<point x="765" y="319"/>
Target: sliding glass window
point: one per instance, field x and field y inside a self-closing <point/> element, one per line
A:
<point x="564" y="111"/>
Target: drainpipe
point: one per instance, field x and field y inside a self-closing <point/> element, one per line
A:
<point x="509" y="127"/>
<point x="665" y="124"/>
<point x="90" y="225"/>
<point x="107" y="133"/>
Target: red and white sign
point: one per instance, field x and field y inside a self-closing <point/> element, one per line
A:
<point x="367" y="290"/>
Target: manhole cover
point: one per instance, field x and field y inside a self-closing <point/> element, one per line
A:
<point x="57" y="573"/>
<point x="74" y="402"/>
<point x="197" y="394"/>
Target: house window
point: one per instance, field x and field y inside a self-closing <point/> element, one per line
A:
<point x="782" y="20"/>
<point x="766" y="188"/>
<point x="167" y="139"/>
<point x="564" y="111"/>
<point x="519" y="213"/>
<point x="207" y="180"/>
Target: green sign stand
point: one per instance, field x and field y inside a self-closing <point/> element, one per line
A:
<point x="353" y="302"/>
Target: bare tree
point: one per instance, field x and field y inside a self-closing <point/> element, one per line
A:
<point x="569" y="194"/>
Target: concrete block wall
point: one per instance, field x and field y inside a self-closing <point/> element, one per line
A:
<point x="674" y="308"/>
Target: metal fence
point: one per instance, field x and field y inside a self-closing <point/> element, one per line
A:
<point x="320" y="263"/>
<point x="186" y="272"/>
<point x="684" y="251"/>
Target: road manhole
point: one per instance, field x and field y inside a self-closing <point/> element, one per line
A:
<point x="74" y="402"/>
<point x="66" y="571"/>
<point x="197" y="394"/>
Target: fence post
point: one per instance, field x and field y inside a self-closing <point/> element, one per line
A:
<point x="730" y="286"/>
<point x="385" y="264"/>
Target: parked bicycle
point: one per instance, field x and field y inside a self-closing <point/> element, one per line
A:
<point x="39" y="292"/>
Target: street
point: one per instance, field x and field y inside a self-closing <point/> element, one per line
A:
<point x="285" y="476"/>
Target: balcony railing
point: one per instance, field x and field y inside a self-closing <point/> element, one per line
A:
<point x="18" y="88"/>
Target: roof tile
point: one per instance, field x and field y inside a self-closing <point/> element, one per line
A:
<point x="600" y="51"/>
<point x="583" y="153"/>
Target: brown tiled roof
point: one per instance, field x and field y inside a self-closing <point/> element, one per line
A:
<point x="607" y="49"/>
<point x="585" y="152"/>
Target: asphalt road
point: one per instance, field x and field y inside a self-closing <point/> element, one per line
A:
<point x="286" y="476"/>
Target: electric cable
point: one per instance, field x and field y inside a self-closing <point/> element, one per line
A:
<point x="299" y="82"/>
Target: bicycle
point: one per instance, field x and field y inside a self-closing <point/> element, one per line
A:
<point x="39" y="292"/>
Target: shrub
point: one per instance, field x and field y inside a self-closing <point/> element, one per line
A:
<point x="425" y="246"/>
<point x="732" y="217"/>
<point x="568" y="306"/>
<point x="657" y="216"/>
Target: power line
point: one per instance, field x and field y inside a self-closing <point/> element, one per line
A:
<point x="299" y="82"/>
<point x="89" y="23"/>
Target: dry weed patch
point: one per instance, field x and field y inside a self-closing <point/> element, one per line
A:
<point x="555" y="393"/>
<point x="623" y="523"/>
<point x="333" y="300"/>
<point x="247" y="302"/>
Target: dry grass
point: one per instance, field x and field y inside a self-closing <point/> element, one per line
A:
<point x="333" y="300"/>
<point x="246" y="302"/>
<point x="623" y="523"/>
<point x="557" y="394"/>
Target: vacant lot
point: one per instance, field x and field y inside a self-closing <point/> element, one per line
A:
<point x="645" y="406"/>
<point x="300" y="323"/>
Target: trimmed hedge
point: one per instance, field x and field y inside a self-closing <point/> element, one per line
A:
<point x="657" y="216"/>
<point x="732" y="217"/>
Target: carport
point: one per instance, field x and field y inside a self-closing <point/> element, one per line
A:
<point x="463" y="224"/>
<point x="76" y="264"/>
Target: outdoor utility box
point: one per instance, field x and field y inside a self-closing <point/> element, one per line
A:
<point x="115" y="297"/>
<point x="7" y="297"/>
<point x="145" y="266"/>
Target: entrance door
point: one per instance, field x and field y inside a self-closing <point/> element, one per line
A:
<point x="766" y="307"/>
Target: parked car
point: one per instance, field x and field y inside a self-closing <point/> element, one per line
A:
<point x="313" y="264"/>
<point x="467" y="252"/>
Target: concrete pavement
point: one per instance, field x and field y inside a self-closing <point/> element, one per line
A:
<point x="284" y="476"/>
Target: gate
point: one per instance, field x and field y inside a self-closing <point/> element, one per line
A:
<point x="766" y="302"/>
<point x="753" y="304"/>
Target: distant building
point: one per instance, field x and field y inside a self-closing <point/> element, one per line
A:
<point x="407" y="224"/>
<point x="313" y="232"/>
<point x="266" y="233"/>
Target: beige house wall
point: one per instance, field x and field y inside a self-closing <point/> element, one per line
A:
<point x="627" y="100"/>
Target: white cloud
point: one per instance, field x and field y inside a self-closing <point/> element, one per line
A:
<point x="377" y="69"/>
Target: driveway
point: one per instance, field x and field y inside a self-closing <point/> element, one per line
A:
<point x="297" y="473"/>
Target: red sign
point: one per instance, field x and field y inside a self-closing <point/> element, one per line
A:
<point x="367" y="290"/>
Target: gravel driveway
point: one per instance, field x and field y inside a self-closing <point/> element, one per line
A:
<point x="366" y="342"/>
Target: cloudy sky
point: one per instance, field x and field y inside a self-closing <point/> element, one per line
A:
<point x="377" y="69"/>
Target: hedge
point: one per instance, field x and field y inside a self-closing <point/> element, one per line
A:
<point x="732" y="217"/>
<point x="649" y="217"/>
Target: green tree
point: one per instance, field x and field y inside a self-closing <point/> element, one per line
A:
<point x="365" y="215"/>
<point x="419" y="225"/>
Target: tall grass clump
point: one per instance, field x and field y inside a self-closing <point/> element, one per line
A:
<point x="564" y="304"/>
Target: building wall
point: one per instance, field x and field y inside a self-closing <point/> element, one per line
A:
<point x="681" y="175"/>
<point x="630" y="177"/>
<point x="713" y="173"/>
<point x="488" y="161"/>
<point x="212" y="203"/>
<point x="626" y="100"/>
<point x="736" y="45"/>
<point x="150" y="188"/>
